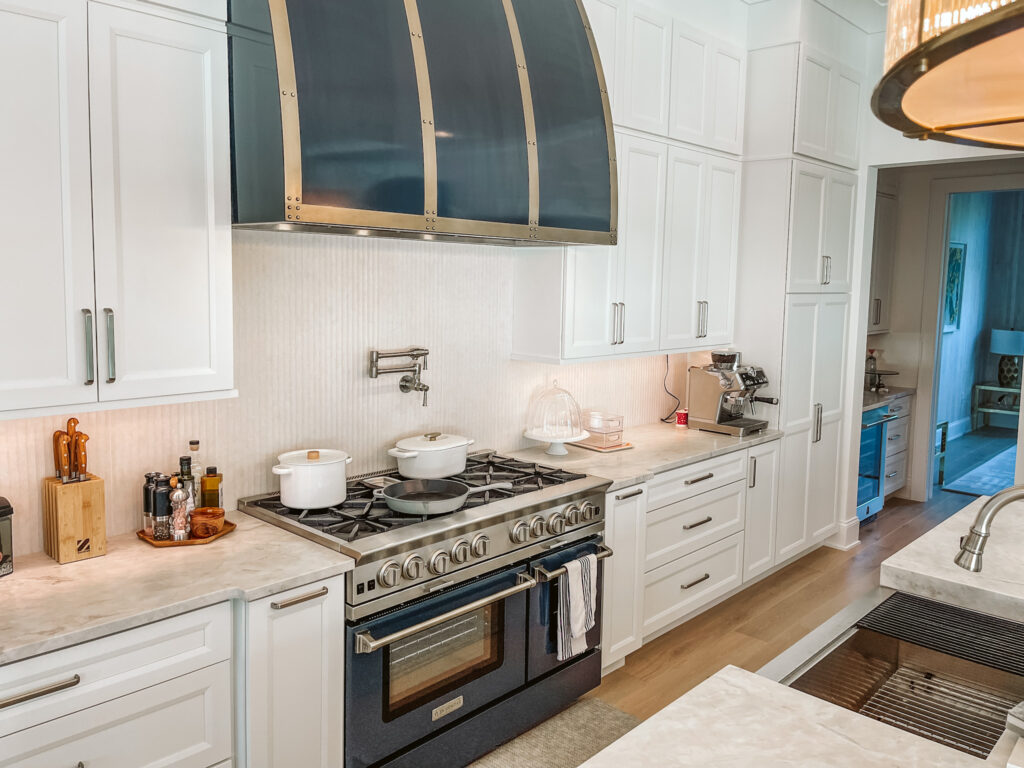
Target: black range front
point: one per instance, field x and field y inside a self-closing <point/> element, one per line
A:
<point x="445" y="679"/>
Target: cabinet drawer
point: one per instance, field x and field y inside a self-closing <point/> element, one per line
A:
<point x="185" y="722"/>
<point x="678" y="484"/>
<point x="688" y="525"/>
<point x="684" y="585"/>
<point x="113" y="666"/>
<point x="895" y="472"/>
<point x="897" y="434"/>
<point x="899" y="407"/>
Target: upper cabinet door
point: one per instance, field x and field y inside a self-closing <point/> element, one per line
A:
<point x="837" y="237"/>
<point x="608" y="23"/>
<point x="846" y="116"/>
<point x="726" y="98"/>
<point x="813" y="105"/>
<point x="591" y="293"/>
<point x="161" y="190"/>
<point x="806" y="272"/>
<point x="45" y="206"/>
<point x="647" y="70"/>
<point x="692" y="104"/>
<point x="881" y="263"/>
<point x="643" y="167"/>
<point x="721" y="249"/>
<point x="684" y="270"/>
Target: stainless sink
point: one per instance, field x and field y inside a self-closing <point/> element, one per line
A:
<point x="943" y="673"/>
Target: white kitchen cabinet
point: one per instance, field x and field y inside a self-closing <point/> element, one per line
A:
<point x="622" y="609"/>
<point x="701" y="240"/>
<point x="608" y="22"/>
<point x="762" y="507"/>
<point x="161" y="200"/>
<point x="822" y="212"/>
<point x="117" y="205"/>
<point x="686" y="526"/>
<point x="883" y="253"/>
<point x="811" y="419"/>
<point x="647" y="70"/>
<point x="185" y="722"/>
<point x="45" y="206"/>
<point x="707" y="90"/>
<point x="296" y="653"/>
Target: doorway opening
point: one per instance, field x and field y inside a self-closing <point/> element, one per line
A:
<point x="980" y="343"/>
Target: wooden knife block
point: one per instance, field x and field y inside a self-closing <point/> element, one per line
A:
<point x="74" y="519"/>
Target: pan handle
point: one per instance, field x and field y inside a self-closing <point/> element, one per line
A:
<point x="491" y="487"/>
<point x="378" y="493"/>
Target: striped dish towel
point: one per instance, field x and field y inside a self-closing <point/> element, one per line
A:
<point x="577" y="598"/>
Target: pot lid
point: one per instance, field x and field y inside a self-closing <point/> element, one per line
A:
<point x="433" y="441"/>
<point x="312" y="457"/>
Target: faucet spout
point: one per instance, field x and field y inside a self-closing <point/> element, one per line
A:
<point x="972" y="546"/>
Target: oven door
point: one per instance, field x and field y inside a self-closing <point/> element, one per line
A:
<point x="543" y="642"/>
<point x="418" y="669"/>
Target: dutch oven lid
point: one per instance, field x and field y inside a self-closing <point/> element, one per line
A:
<point x="312" y="457"/>
<point x="433" y="441"/>
<point x="5" y="507"/>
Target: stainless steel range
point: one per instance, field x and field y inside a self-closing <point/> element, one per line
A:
<point x="451" y="620"/>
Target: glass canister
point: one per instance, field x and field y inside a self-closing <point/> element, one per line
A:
<point x="179" y="499"/>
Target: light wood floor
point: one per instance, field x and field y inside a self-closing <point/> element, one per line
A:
<point x="754" y="626"/>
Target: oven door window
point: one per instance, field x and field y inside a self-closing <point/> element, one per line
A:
<point x="442" y="659"/>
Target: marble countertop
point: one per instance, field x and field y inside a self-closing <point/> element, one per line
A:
<point x="736" y="719"/>
<point x="658" y="448"/>
<point x="875" y="399"/>
<point x="925" y="567"/>
<point x="48" y="606"/>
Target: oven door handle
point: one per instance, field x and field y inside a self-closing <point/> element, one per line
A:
<point x="544" y="575"/>
<point x="366" y="643"/>
<point x="884" y="420"/>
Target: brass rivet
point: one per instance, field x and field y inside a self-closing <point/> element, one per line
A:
<point x="298" y="199"/>
<point x="289" y="207"/>
<point x="298" y="207"/>
<point x="289" y="197"/>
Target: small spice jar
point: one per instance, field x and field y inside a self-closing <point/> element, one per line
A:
<point x="162" y="509"/>
<point x="179" y="510"/>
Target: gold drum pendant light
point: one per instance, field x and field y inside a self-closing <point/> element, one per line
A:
<point x="954" y="71"/>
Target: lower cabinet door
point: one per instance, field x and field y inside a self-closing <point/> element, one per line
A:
<point x="296" y="677"/>
<point x="762" y="509"/>
<point x="185" y="722"/>
<point x="683" y="586"/>
<point x="621" y="613"/>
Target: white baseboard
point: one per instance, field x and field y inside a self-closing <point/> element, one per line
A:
<point x="847" y="537"/>
<point x="958" y="428"/>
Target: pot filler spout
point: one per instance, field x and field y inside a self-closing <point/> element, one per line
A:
<point x="480" y="120"/>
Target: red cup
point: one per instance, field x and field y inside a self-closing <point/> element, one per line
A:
<point x="682" y="418"/>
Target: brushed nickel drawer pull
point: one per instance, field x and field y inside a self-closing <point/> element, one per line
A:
<point x="630" y="495"/>
<point x="891" y="474"/>
<point x="111" y="346"/>
<point x="694" y="583"/>
<point x="300" y="599"/>
<point x="90" y="350"/>
<point x="752" y="472"/>
<point x="701" y="479"/>
<point x="698" y="524"/>
<point x="46" y="690"/>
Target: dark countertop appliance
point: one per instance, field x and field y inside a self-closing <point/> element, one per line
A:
<point x="6" y="537"/>
<point x="451" y="641"/>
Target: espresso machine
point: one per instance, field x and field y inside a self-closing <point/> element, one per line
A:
<point x="717" y="394"/>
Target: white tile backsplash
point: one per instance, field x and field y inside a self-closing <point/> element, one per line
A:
<point x="308" y="309"/>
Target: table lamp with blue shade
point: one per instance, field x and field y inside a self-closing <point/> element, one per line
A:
<point x="1009" y="344"/>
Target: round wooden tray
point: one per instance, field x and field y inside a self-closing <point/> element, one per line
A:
<point x="228" y="528"/>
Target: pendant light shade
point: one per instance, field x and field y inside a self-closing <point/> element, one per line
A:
<point x="954" y="71"/>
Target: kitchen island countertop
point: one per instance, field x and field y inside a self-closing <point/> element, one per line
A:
<point x="657" y="448"/>
<point x="48" y="606"/>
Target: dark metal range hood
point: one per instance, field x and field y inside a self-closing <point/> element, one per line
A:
<point x="485" y="120"/>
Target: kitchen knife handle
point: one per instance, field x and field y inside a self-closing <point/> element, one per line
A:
<point x="56" y="452"/>
<point x="64" y="445"/>
<point x="81" y="455"/>
<point x="111" y="353"/>
<point x="90" y="350"/>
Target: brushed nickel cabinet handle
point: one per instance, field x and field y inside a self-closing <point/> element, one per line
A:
<point x="698" y="524"/>
<point x="695" y="582"/>
<point x="300" y="599"/>
<point x="630" y="495"/>
<point x="46" y="690"/>
<point x="622" y="322"/>
<point x="752" y="471"/>
<point x="891" y="474"/>
<point x="111" y="352"/>
<point x="615" y="323"/>
<point x="90" y="350"/>
<point x="701" y="479"/>
<point x="878" y="312"/>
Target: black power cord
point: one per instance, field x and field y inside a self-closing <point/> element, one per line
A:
<point x="670" y="419"/>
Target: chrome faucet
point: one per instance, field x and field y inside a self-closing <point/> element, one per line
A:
<point x="972" y="546"/>
<point x="412" y="381"/>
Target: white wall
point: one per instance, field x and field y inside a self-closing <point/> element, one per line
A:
<point x="308" y="308"/>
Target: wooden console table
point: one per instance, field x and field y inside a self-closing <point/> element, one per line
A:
<point x="983" y="406"/>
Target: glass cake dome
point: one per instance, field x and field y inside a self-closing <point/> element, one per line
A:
<point x="554" y="417"/>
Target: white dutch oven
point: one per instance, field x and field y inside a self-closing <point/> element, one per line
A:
<point x="431" y="456"/>
<point x="312" y="479"/>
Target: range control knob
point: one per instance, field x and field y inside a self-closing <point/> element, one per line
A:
<point x="520" y="533"/>
<point x="389" y="575"/>
<point x="556" y="523"/>
<point x="481" y="546"/>
<point x="573" y="515"/>
<point x="460" y="551"/>
<point x="589" y="511"/>
<point x="439" y="563"/>
<point x="537" y="527"/>
<point x="413" y="567"/>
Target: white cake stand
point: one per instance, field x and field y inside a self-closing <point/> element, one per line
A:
<point x="557" y="444"/>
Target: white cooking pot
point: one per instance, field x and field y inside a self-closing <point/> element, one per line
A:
<point x="431" y="456"/>
<point x="312" y="479"/>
